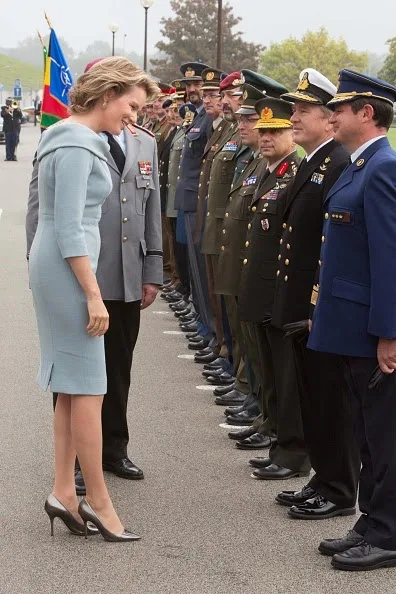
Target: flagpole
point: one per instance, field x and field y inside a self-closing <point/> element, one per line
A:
<point x="48" y="21"/>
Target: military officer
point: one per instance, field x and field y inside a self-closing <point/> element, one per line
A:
<point x="332" y="490"/>
<point x="129" y="273"/>
<point x="186" y="199"/>
<point x="175" y="154"/>
<point x="232" y="234"/>
<point x="258" y="278"/>
<point x="355" y="312"/>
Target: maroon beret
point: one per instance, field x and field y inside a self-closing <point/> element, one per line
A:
<point x="90" y="64"/>
<point x="232" y="81"/>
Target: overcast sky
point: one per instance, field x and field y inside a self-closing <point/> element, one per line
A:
<point x="364" y="25"/>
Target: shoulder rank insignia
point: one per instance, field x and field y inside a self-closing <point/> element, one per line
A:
<point x="144" y="130"/>
<point x="360" y="162"/>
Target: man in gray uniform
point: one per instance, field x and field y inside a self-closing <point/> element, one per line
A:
<point x="129" y="273"/>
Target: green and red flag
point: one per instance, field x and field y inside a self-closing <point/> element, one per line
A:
<point x="57" y="83"/>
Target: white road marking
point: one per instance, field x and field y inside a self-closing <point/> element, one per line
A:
<point x="206" y="388"/>
<point x="173" y="332"/>
<point x="1" y="212"/>
<point x="161" y="313"/>
<point x="185" y="357"/>
<point x="234" y="427"/>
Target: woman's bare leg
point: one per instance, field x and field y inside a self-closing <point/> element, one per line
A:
<point x="65" y="455"/>
<point x="86" y="428"/>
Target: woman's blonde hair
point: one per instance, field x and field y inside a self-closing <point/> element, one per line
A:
<point x="110" y="74"/>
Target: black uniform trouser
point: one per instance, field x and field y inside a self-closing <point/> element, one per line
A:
<point x="119" y="340"/>
<point x="374" y="417"/>
<point x="289" y="451"/>
<point x="10" y="145"/>
<point x="327" y="421"/>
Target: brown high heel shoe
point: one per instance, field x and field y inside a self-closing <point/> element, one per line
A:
<point x="88" y="515"/>
<point x="55" y="509"/>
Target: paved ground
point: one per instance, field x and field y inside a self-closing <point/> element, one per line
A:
<point x="207" y="527"/>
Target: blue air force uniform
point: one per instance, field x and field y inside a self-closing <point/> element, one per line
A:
<point x="356" y="306"/>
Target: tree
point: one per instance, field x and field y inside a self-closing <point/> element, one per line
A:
<point x="191" y="35"/>
<point x="388" y="71"/>
<point x="285" y="60"/>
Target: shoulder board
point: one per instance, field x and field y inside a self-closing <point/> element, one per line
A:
<point x="283" y="167"/>
<point x="144" y="130"/>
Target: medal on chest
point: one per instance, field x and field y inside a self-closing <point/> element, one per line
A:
<point x="145" y="167"/>
<point x="231" y="145"/>
<point x="250" y="181"/>
<point x="265" y="224"/>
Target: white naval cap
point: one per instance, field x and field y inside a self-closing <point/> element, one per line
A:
<point x="312" y="88"/>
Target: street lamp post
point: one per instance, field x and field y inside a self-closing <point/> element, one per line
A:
<point x="146" y="5"/>
<point x="113" y="28"/>
<point x="219" y="34"/>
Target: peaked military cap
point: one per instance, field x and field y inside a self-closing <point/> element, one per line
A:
<point x="167" y="103"/>
<point x="250" y="96"/>
<point x="192" y="71"/>
<point x="264" y="83"/>
<point x="165" y="89"/>
<point x="274" y="114"/>
<point x="354" y="85"/>
<point x="180" y="87"/>
<point x="313" y="88"/>
<point x="212" y="78"/>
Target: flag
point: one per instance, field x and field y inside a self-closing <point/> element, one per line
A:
<point x="57" y="83"/>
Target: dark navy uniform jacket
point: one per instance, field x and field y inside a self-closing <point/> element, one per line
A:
<point x="357" y="292"/>
<point x="187" y="187"/>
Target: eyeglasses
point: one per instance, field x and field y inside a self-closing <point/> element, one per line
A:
<point x="211" y="96"/>
<point x="243" y="119"/>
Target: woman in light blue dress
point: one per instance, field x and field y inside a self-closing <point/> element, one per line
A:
<point x="74" y="181"/>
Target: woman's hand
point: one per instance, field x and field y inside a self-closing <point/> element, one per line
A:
<point x="98" y="317"/>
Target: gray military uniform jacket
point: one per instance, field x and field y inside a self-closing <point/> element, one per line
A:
<point x="130" y="227"/>
<point x="174" y="170"/>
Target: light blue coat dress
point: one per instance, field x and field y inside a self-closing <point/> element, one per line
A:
<point x="74" y="181"/>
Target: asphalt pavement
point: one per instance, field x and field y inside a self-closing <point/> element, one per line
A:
<point x="206" y="526"/>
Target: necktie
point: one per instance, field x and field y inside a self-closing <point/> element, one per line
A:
<point x="116" y="152"/>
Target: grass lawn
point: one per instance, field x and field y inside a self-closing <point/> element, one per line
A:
<point x="392" y="137"/>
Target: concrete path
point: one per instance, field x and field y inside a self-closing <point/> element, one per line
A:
<point x="207" y="527"/>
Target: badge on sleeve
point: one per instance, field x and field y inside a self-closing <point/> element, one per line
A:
<point x="145" y="168"/>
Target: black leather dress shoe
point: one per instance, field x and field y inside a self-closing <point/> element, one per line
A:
<point x="290" y="498"/>
<point x="331" y="546"/>
<point x="79" y="482"/>
<point x="187" y="318"/>
<point x="232" y="398"/>
<point x="221" y="390"/>
<point x="179" y="305"/>
<point x="124" y="468"/>
<point x="173" y="297"/>
<point x="319" y="508"/>
<point x="274" y="472"/>
<point x="218" y="362"/>
<point x="196" y="346"/>
<point x="364" y="557"/>
<point x="242" y="418"/>
<point x="224" y="379"/>
<point x="257" y="441"/>
<point x="206" y="351"/>
<point x="196" y="337"/>
<point x="236" y="435"/>
<point x="233" y="410"/>
<point x="208" y="358"/>
<point x="214" y="372"/>
<point x="191" y="327"/>
<point x="180" y="313"/>
<point x="260" y="462"/>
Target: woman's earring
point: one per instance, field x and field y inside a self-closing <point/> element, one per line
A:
<point x="104" y="105"/>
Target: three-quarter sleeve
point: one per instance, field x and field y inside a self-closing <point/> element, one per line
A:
<point x="73" y="166"/>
